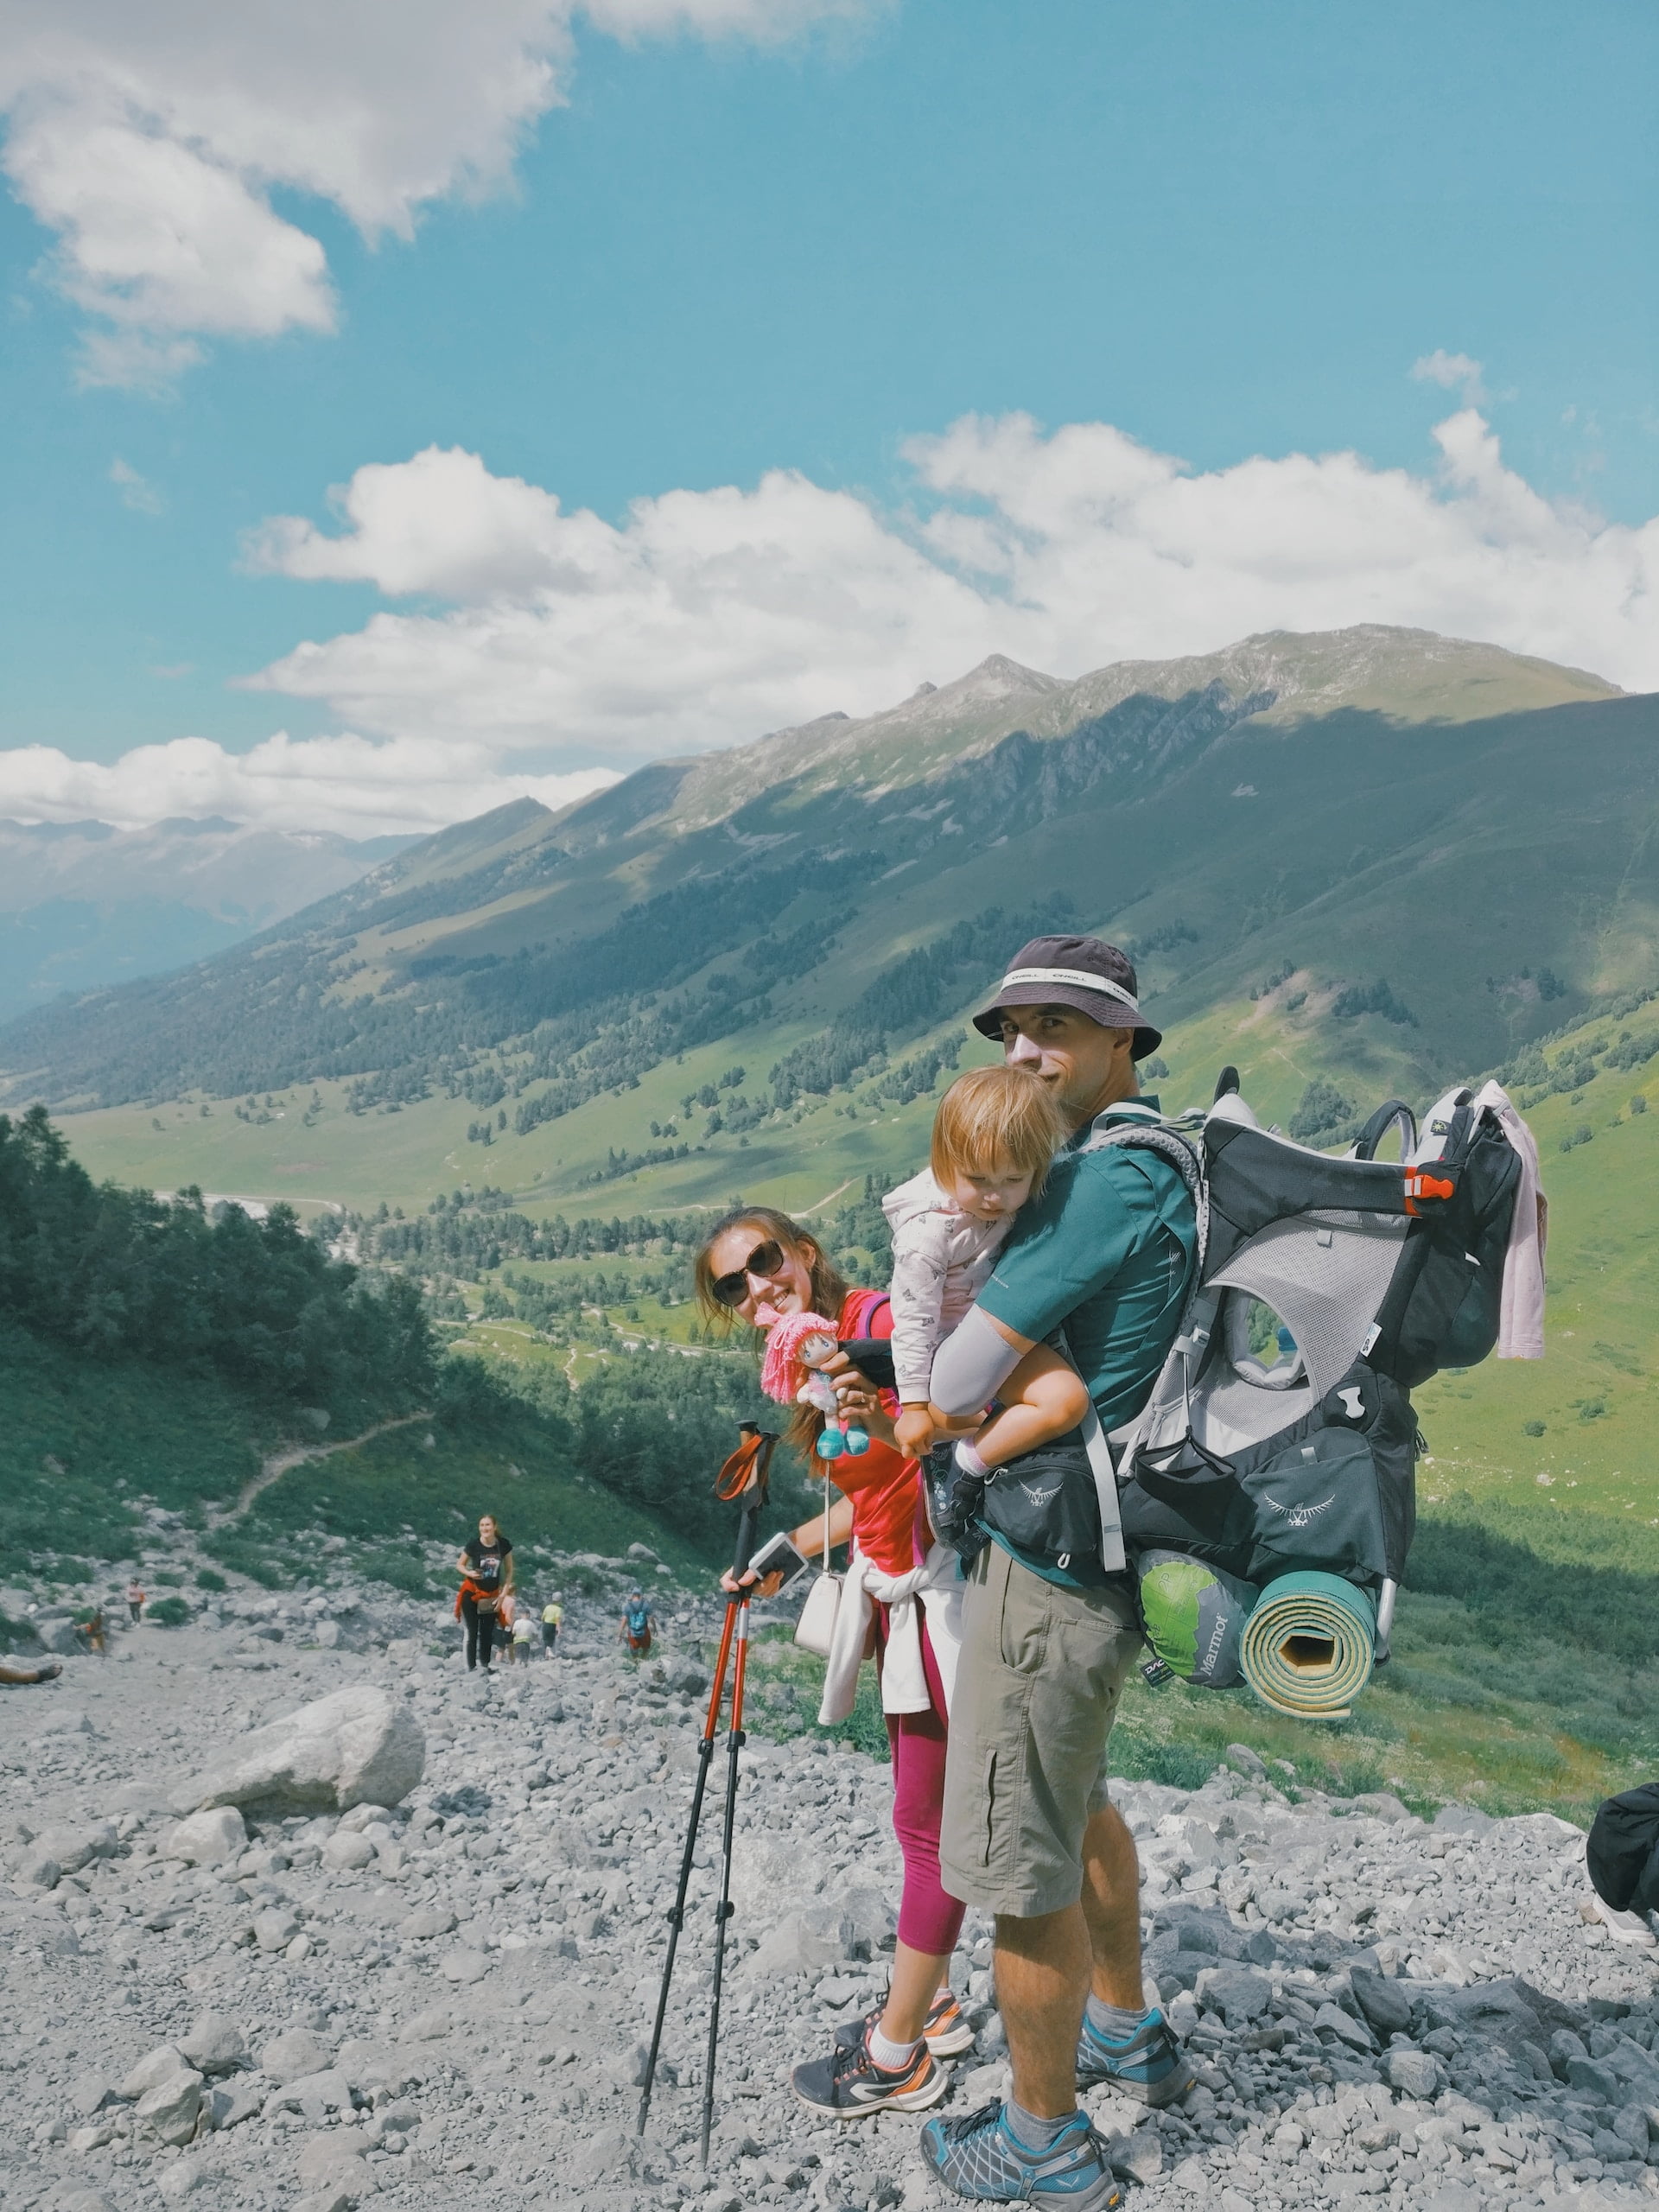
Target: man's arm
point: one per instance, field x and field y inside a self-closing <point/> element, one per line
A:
<point x="974" y="1362"/>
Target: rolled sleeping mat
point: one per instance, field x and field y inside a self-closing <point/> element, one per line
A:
<point x="1308" y="1646"/>
<point x="1195" y="1617"/>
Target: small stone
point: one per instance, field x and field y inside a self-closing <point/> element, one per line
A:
<point x="170" y="2109"/>
<point x="464" y="1966"/>
<point x="431" y="1920"/>
<point x="83" y="2139"/>
<point x="428" y="2026"/>
<point x="1140" y="2156"/>
<point x="1237" y="1993"/>
<point x="343" y="1851"/>
<point x="274" y="1929"/>
<point x="1345" y="2027"/>
<point x="157" y="2065"/>
<point x="1414" y="2073"/>
<point x="214" y="2044"/>
<point x="208" y="1838"/>
<point x="90" y="2092"/>
<point x="294" y="2053"/>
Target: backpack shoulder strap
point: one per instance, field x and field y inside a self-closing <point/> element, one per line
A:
<point x="1170" y="1142"/>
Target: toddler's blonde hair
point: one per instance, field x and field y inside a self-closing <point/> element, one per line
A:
<point x="996" y="1121"/>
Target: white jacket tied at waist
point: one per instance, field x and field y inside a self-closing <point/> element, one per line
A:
<point x="937" y="1585"/>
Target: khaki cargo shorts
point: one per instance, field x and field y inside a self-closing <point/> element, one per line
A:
<point x="1036" y="1694"/>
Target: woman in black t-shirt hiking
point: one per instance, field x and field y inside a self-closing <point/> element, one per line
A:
<point x="485" y="1563"/>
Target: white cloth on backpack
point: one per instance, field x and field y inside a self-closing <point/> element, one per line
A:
<point x="936" y="1586"/>
<point x="942" y="1259"/>
<point x="1521" y="1313"/>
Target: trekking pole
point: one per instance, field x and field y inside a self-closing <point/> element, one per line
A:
<point x="744" y="1475"/>
<point x="723" y="1910"/>
<point x="676" y="1912"/>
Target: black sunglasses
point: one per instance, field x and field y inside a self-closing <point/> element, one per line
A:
<point x="766" y="1259"/>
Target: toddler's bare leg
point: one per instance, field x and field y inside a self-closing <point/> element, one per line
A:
<point x="1042" y="1399"/>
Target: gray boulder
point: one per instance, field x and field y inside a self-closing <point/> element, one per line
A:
<point x="208" y="1838"/>
<point x="1414" y="2073"/>
<point x="359" y="1745"/>
<point x="1237" y="1993"/>
<point x="171" y="2109"/>
<point x="77" y="1846"/>
<point x="1384" y="2003"/>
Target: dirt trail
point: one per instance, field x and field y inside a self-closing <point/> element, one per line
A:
<point x="272" y="1468"/>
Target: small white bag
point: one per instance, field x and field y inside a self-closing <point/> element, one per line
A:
<point x="815" y="1631"/>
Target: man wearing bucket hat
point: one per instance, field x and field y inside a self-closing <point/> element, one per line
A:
<point x="1100" y="1262"/>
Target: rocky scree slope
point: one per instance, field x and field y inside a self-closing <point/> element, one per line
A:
<point x="442" y="2000"/>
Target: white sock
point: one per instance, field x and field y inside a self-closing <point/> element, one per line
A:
<point x="889" y="2056"/>
<point x="968" y="1460"/>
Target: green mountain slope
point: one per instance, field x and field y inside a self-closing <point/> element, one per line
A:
<point x="1388" y="857"/>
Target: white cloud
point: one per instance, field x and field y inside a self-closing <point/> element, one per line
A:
<point x="136" y="492"/>
<point x="349" y="784"/>
<point x="706" y="617"/>
<point x="147" y="139"/>
<point x="1453" y="373"/>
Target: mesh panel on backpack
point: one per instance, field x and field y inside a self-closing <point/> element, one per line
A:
<point x="1262" y="1454"/>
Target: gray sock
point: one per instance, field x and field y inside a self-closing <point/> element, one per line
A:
<point x="1034" y="2133"/>
<point x="1114" y="2022"/>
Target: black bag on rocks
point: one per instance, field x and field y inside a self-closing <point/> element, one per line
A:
<point x="1622" y="1851"/>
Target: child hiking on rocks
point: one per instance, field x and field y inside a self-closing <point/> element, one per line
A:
<point x="552" y="1622"/>
<point x="995" y="1137"/>
<point x="636" y="1624"/>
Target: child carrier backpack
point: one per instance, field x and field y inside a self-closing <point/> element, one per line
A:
<point x="1266" y="1491"/>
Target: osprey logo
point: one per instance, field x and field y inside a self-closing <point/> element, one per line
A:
<point x="1352" y="1404"/>
<point x="1300" y="1517"/>
<point x="1039" y="1496"/>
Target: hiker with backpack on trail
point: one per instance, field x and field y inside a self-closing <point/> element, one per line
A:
<point x="757" y="1266"/>
<point x="1104" y="1255"/>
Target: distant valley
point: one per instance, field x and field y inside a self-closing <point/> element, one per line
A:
<point x="83" y="904"/>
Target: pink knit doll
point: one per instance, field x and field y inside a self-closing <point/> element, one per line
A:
<point x="797" y="1347"/>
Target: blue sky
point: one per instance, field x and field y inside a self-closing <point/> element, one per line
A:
<point x="1224" y="232"/>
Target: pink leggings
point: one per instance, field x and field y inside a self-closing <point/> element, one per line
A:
<point x="928" y="1920"/>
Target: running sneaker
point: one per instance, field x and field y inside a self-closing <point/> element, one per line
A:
<point x="980" y="2156"/>
<point x="946" y="2028"/>
<point x="849" y="2083"/>
<point x="1149" y="2065"/>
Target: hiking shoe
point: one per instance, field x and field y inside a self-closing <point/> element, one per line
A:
<point x="981" y="2157"/>
<point x="1149" y="2065"/>
<point x="849" y="2083"/>
<point x="946" y="2028"/>
<point x="1625" y="1927"/>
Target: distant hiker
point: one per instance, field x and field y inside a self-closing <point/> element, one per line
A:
<point x="755" y="1266"/>
<point x="523" y="1631"/>
<point x="636" y="1618"/>
<point x="1048" y="1633"/>
<point x="485" y="1563"/>
<point x="552" y="1622"/>
<point x="995" y="1138"/>
<point x="135" y="1601"/>
<point x="91" y="1631"/>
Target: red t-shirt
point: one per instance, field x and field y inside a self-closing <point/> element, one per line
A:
<point x="885" y="1487"/>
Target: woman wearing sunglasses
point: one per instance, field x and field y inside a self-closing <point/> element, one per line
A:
<point x="753" y="1267"/>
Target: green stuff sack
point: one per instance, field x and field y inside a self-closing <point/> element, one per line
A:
<point x="1195" y="1617"/>
<point x="1309" y="1645"/>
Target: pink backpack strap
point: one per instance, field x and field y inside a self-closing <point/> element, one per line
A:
<point x="860" y="1311"/>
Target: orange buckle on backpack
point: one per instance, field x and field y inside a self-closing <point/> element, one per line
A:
<point x="1419" y="1186"/>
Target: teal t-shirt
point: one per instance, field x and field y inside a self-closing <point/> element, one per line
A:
<point x="1105" y="1254"/>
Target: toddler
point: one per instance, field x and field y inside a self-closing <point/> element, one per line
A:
<point x="995" y="1137"/>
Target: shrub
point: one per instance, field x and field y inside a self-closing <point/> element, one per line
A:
<point x="207" y="1580"/>
<point x="1532" y="1428"/>
<point x="168" y="1612"/>
<point x="1638" y="1104"/>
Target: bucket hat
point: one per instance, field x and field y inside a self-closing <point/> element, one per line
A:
<point x="1082" y="972"/>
